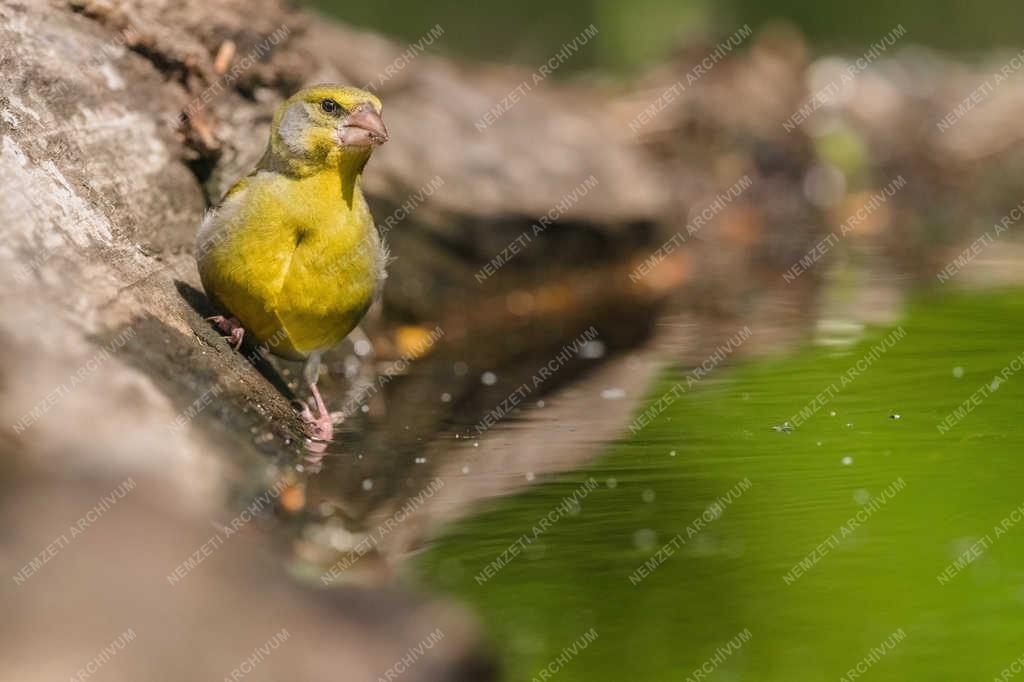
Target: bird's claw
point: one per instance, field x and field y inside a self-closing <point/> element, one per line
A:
<point x="305" y="414"/>
<point x="232" y="328"/>
<point x="317" y="427"/>
<point x="235" y="338"/>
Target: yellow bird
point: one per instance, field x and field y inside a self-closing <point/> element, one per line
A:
<point x="291" y="254"/>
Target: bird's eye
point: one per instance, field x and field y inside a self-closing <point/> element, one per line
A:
<point x="331" y="107"/>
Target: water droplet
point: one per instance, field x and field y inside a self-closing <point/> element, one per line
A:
<point x="460" y="368"/>
<point x="446" y="397"/>
<point x="613" y="393"/>
<point x="465" y="469"/>
<point x="672" y="453"/>
<point x="847" y="460"/>
<point x="540" y="403"/>
<point x="861" y="496"/>
<point x="958" y="372"/>
<point x="784" y="427"/>
<point x="645" y="539"/>
<point x="611" y="483"/>
<point x="832" y="413"/>
<point x="488" y="378"/>
<point x="647" y="495"/>
<point x="476" y="444"/>
<point x="530" y="476"/>
<point x="367" y="484"/>
<point x="421" y="460"/>
<point x="364" y="408"/>
<point x="895" y="415"/>
<point x="362" y="347"/>
<point x="592" y="350"/>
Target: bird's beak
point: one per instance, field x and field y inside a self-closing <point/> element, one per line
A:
<point x="362" y="128"/>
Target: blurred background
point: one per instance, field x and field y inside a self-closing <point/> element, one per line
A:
<point x="638" y="34"/>
<point x="699" y="356"/>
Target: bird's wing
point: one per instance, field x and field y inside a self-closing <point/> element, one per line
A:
<point x="245" y="249"/>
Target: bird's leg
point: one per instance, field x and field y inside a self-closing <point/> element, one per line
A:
<point x="323" y="426"/>
<point x="319" y="426"/>
<point x="230" y="326"/>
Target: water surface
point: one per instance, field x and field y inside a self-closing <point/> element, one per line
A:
<point x="875" y="500"/>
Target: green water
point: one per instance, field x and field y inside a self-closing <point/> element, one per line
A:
<point x="805" y="485"/>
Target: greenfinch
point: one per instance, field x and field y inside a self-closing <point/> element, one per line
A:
<point x="291" y="255"/>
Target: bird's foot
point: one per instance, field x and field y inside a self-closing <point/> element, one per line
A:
<point x="316" y="426"/>
<point x="232" y="328"/>
<point x="319" y="426"/>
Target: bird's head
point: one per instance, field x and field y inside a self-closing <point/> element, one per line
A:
<point x="327" y="126"/>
